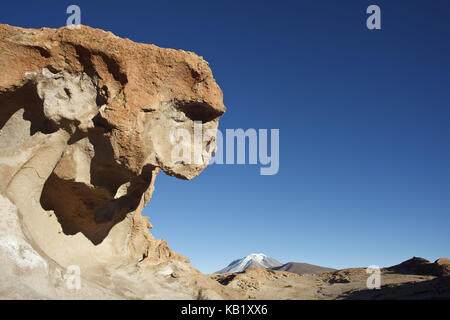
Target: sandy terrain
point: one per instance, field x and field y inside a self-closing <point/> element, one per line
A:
<point x="419" y="280"/>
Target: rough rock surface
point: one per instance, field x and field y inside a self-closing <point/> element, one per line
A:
<point x="86" y="124"/>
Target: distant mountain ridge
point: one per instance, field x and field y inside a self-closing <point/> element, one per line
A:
<point x="302" y="268"/>
<point x="258" y="260"/>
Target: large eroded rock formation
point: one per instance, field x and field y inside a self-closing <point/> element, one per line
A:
<point x="85" y="126"/>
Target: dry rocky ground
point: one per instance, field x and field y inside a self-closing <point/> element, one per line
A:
<point x="414" y="279"/>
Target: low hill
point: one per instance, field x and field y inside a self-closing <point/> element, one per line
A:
<point x="302" y="268"/>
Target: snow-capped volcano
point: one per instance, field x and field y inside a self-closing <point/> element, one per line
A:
<point x="258" y="260"/>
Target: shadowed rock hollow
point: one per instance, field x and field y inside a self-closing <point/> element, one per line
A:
<point x="85" y="126"/>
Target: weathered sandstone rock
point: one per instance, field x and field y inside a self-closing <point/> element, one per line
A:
<point x="85" y="126"/>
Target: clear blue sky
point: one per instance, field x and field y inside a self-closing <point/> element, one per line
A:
<point x="363" y="117"/>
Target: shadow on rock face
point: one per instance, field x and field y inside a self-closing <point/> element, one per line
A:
<point x="26" y="98"/>
<point x="92" y="210"/>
